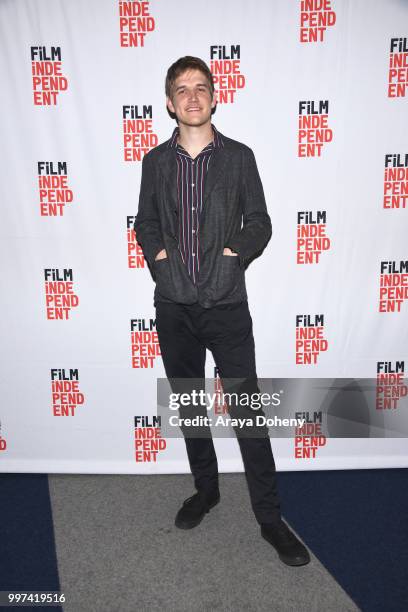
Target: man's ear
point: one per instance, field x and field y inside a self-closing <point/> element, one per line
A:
<point x="214" y="100"/>
<point x="170" y="105"/>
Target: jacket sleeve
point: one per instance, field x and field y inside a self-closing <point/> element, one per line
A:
<point x="256" y="227"/>
<point x="147" y="223"/>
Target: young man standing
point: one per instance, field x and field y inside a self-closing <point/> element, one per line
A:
<point x="197" y="189"/>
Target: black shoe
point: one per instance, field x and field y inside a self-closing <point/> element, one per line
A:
<point x="194" y="510"/>
<point x="290" y="550"/>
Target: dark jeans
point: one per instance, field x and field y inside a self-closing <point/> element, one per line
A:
<point x="185" y="332"/>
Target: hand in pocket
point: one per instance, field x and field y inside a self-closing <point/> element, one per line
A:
<point x="161" y="255"/>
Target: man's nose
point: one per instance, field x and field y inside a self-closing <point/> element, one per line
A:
<point x="192" y="95"/>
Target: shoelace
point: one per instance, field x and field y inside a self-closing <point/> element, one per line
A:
<point x="189" y="499"/>
<point x="196" y="497"/>
<point x="283" y="529"/>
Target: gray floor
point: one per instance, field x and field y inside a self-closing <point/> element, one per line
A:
<point x="118" y="550"/>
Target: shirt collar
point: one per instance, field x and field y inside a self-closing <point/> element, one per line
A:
<point x="218" y="141"/>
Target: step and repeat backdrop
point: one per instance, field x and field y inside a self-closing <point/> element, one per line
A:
<point x="319" y="90"/>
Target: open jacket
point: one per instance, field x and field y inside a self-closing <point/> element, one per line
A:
<point x="234" y="215"/>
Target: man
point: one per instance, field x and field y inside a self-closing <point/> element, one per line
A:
<point x="197" y="189"/>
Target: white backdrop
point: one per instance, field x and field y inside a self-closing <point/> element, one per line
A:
<point x="79" y="128"/>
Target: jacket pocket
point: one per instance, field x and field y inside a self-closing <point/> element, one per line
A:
<point x="163" y="277"/>
<point x="229" y="274"/>
<point x="172" y="280"/>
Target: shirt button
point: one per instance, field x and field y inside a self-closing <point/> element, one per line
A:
<point x="192" y="184"/>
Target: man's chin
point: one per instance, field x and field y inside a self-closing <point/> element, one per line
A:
<point x="195" y="121"/>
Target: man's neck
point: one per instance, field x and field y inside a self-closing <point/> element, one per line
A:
<point x="194" y="138"/>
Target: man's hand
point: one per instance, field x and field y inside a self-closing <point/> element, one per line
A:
<point x="228" y="251"/>
<point x="161" y="255"/>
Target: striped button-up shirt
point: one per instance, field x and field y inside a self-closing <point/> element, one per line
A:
<point x="191" y="174"/>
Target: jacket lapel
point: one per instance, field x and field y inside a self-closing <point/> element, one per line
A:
<point x="216" y="170"/>
<point x="168" y="165"/>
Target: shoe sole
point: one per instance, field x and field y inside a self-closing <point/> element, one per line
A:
<point x="290" y="562"/>
<point x="192" y="524"/>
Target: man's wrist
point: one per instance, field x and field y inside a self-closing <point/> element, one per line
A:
<point x="231" y="249"/>
<point x="237" y="254"/>
<point x="162" y="254"/>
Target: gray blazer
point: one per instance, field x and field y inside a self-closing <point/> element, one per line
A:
<point x="234" y="215"/>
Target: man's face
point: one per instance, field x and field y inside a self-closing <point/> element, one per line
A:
<point x="191" y="100"/>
